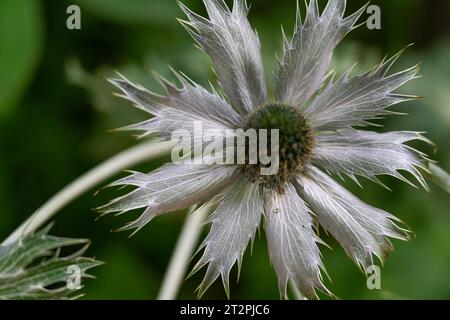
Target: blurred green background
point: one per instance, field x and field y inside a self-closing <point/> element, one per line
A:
<point x="56" y="110"/>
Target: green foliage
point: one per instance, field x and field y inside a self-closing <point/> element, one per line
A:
<point x="33" y="268"/>
<point x="133" y="11"/>
<point x="20" y="48"/>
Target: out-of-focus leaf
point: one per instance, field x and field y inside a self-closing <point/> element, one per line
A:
<point x="439" y="177"/>
<point x="132" y="12"/>
<point x="20" y="47"/>
<point x="32" y="267"/>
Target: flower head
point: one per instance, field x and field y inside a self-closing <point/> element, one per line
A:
<point x="317" y="120"/>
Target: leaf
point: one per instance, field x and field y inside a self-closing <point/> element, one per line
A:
<point x="32" y="267"/>
<point x="133" y="11"/>
<point x="20" y="48"/>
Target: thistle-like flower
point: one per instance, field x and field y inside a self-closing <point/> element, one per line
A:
<point x="317" y="119"/>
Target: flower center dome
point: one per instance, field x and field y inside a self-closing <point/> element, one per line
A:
<point x="295" y="141"/>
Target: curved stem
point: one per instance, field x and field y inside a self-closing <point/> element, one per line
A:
<point x="182" y="254"/>
<point x="128" y="158"/>
<point x="439" y="177"/>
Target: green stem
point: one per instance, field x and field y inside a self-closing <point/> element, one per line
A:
<point x="295" y="291"/>
<point x="125" y="160"/>
<point x="182" y="254"/>
<point x="439" y="177"/>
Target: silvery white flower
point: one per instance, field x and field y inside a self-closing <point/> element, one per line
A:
<point x="317" y="119"/>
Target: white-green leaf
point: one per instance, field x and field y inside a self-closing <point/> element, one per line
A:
<point x="32" y="267"/>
